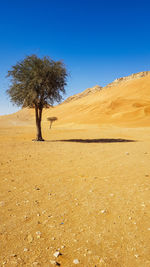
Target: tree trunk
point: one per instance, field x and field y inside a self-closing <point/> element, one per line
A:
<point x="38" y="116"/>
<point x="50" y="125"/>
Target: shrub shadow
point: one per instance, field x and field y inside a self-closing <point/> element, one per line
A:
<point x="102" y="140"/>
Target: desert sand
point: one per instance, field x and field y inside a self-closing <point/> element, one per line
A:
<point x="85" y="191"/>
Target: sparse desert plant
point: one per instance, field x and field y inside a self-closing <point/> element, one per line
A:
<point x="51" y="120"/>
<point x="37" y="82"/>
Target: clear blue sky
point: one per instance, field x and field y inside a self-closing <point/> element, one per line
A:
<point x="98" y="40"/>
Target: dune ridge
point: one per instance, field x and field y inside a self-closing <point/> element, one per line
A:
<point x="126" y="101"/>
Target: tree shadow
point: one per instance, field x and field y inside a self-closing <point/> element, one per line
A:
<point x="102" y="140"/>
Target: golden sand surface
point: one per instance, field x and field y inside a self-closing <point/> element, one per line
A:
<point x="88" y="198"/>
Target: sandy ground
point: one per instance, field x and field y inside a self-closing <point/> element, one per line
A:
<point x="89" y="201"/>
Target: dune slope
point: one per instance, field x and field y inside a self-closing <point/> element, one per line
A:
<point x="124" y="102"/>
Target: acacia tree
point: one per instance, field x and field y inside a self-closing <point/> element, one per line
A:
<point x="37" y="82"/>
<point x="51" y="120"/>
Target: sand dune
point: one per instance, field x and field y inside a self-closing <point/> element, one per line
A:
<point x="124" y="102"/>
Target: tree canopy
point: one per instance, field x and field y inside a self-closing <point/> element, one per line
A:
<point x="51" y="120"/>
<point x="37" y="82"/>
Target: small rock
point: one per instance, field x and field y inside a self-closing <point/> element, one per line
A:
<point x="55" y="263"/>
<point x="25" y="249"/>
<point x="76" y="261"/>
<point x="37" y="188"/>
<point x="38" y="233"/>
<point x="13" y="255"/>
<point x="103" y="211"/>
<point x="56" y="254"/>
<point x="127" y="153"/>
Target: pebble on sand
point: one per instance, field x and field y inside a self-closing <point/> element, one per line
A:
<point x="56" y="254"/>
<point x="55" y="263"/>
<point x="36" y="188"/>
<point x="103" y="211"/>
<point x="76" y="261"/>
<point x="38" y="233"/>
